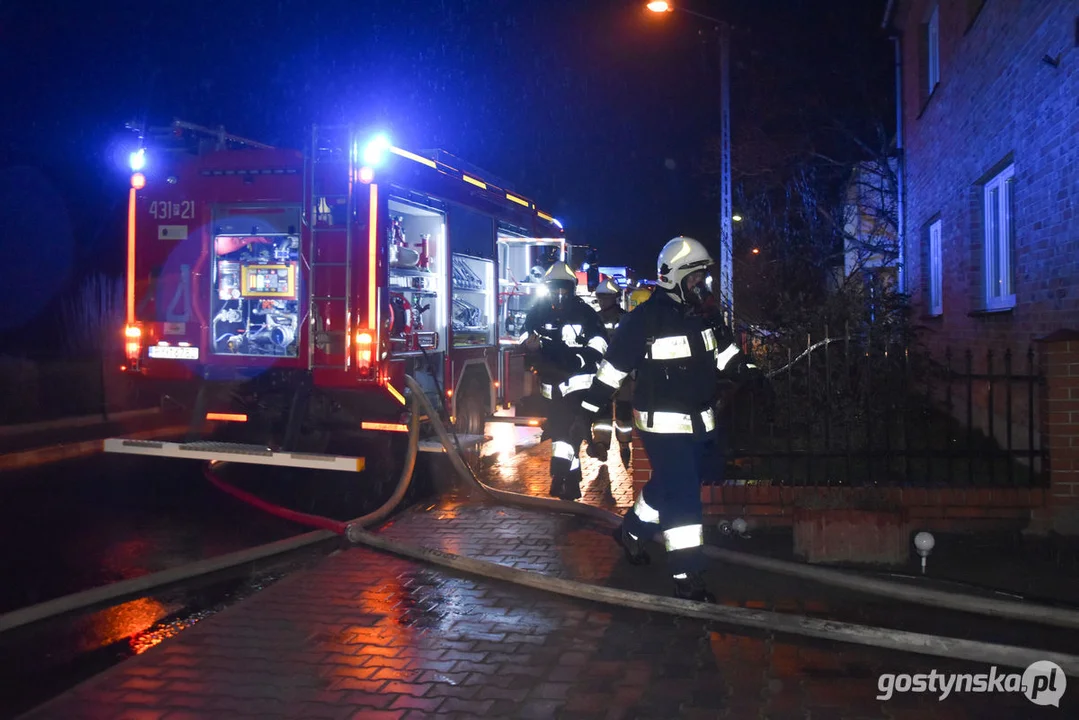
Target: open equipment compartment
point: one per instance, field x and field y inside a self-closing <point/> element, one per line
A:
<point x="416" y="245"/>
<point x="255" y="294"/>
<point x="522" y="261"/>
<point x="473" y="301"/>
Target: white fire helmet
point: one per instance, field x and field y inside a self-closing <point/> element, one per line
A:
<point x="559" y="272"/>
<point x="607" y="287"/>
<point x="561" y="284"/>
<point x="678" y="258"/>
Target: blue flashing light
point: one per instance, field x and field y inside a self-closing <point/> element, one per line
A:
<point x="585" y="267"/>
<point x="374" y="152"/>
<point x="138" y="160"/>
<point x="555" y="221"/>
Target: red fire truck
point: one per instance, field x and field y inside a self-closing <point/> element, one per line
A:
<point x="286" y="290"/>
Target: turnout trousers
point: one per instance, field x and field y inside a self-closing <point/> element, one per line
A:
<point x="671" y="501"/>
<point x="568" y="429"/>
<point x="617" y="422"/>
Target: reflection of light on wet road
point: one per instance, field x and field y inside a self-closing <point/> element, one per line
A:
<point x="123" y="621"/>
<point x="503" y="442"/>
<point x="577" y="556"/>
<point x="516" y="460"/>
<point x="143" y="641"/>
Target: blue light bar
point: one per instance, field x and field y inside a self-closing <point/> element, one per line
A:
<point x="374" y="152"/>
<point x="138" y="160"/>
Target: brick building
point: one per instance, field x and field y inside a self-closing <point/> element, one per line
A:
<point x="990" y="133"/>
<point x="988" y="145"/>
<point x="989" y="124"/>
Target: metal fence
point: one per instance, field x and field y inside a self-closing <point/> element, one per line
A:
<point x="851" y="410"/>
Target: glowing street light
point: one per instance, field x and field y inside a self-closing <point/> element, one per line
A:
<point x="736" y="218"/>
<point x="756" y="251"/>
<point x="662" y="6"/>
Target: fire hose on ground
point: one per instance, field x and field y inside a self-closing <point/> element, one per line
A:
<point x="354" y="530"/>
<point x="327" y="529"/>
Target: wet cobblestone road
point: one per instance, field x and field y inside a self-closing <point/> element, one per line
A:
<point x="368" y="635"/>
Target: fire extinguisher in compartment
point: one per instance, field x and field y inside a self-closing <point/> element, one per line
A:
<point x="425" y="258"/>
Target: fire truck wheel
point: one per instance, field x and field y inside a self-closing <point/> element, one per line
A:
<point x="471" y="409"/>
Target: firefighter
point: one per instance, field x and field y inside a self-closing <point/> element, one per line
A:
<point x="670" y="340"/>
<point x="614" y="420"/>
<point x="565" y="340"/>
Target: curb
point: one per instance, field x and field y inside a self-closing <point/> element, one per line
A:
<point x="57" y="453"/>
<point x="74" y="422"/>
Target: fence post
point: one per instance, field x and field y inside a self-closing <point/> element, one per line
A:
<point x="1060" y="433"/>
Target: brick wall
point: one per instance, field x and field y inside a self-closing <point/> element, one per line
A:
<point x="997" y="102"/>
<point x="639" y="465"/>
<point x="940" y="509"/>
<point x="1060" y="427"/>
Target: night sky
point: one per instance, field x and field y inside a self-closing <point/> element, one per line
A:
<point x="597" y="109"/>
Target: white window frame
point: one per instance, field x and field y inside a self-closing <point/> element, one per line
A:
<point x="932" y="31"/>
<point x="999" y="240"/>
<point x="936" y="270"/>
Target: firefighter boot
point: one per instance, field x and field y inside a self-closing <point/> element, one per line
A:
<point x="690" y="586"/>
<point x="558" y="486"/>
<point x="597" y="450"/>
<point x="571" y="485"/>
<point x="566" y="487"/>
<point x="632" y="545"/>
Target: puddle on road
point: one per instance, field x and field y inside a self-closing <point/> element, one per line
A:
<point x="129" y="620"/>
<point x="44" y="660"/>
<point x="514" y="459"/>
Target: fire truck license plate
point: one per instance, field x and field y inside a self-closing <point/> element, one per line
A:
<point x="174" y="353"/>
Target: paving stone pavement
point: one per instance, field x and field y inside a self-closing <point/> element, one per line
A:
<point x="516" y="460"/>
<point x="370" y="635"/>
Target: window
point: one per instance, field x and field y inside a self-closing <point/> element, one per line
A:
<point x="936" y="271"/>
<point x="932" y="32"/>
<point x="999" y="241"/>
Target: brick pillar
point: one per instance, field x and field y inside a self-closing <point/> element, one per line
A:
<point x="1060" y="432"/>
<point x="639" y="464"/>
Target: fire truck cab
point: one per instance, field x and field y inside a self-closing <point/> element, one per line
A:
<point x="289" y="289"/>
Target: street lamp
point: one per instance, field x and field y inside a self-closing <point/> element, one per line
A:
<point x="726" y="241"/>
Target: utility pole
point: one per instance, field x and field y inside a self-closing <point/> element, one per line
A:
<point x="726" y="215"/>
<point x="726" y="228"/>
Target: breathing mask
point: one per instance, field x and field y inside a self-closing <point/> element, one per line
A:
<point x="696" y="289"/>
<point x="560" y="292"/>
